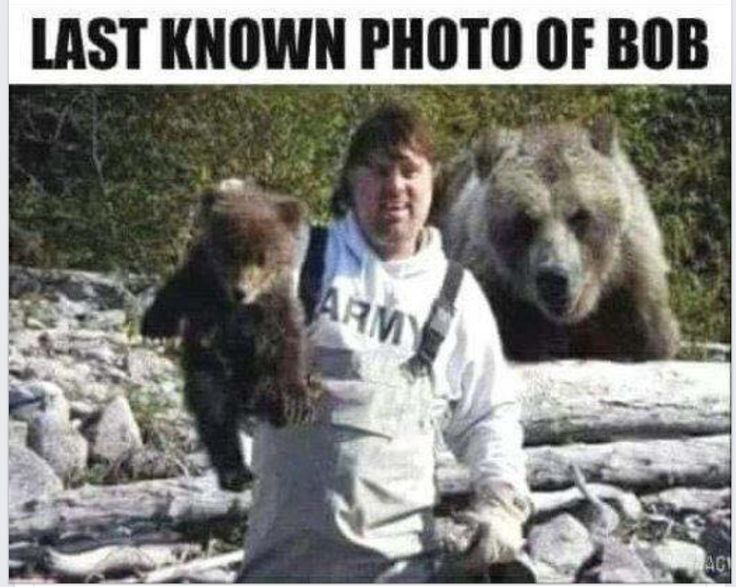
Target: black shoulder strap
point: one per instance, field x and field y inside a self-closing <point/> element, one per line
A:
<point x="313" y="268"/>
<point x="436" y="327"/>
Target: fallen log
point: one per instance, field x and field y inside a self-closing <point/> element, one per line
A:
<point x="689" y="499"/>
<point x="600" y="401"/>
<point x="139" y="507"/>
<point x="638" y="466"/>
<point x="174" y="503"/>
<point x="642" y="466"/>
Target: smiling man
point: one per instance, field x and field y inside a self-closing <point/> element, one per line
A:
<point x="408" y="351"/>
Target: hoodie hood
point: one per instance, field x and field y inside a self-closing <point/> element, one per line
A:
<point x="425" y="259"/>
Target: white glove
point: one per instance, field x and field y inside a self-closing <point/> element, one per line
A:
<point x="497" y="517"/>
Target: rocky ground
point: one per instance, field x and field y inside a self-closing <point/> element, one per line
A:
<point x="108" y="481"/>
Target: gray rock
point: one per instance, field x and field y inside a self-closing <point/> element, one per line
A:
<point x="686" y="561"/>
<point x="64" y="371"/>
<point x="548" y="574"/>
<point x="116" y="435"/>
<point x="645" y="552"/>
<point x="146" y="366"/>
<point x="22" y="402"/>
<point x="614" y="562"/>
<point x="98" y="393"/>
<point x="80" y="379"/>
<point x="30" y="476"/>
<point x="41" y="313"/>
<point x="60" y="313"/>
<point x="35" y="324"/>
<point x="79" y="343"/>
<point x="150" y="463"/>
<point x="16" y="360"/>
<point x="82" y="409"/>
<point x="59" y="444"/>
<point x="104" y="291"/>
<point x="16" y="315"/>
<point x="77" y="311"/>
<point x="600" y="519"/>
<point x="18" y="433"/>
<point x="34" y="397"/>
<point x="107" y="320"/>
<point x="562" y="543"/>
<point x="197" y="462"/>
<point x="29" y="343"/>
<point x="138" y="284"/>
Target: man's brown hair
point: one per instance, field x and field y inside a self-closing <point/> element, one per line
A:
<point x="388" y="130"/>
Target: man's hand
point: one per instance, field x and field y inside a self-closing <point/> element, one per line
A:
<point x="497" y="518"/>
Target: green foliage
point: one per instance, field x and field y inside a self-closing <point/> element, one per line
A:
<point x="106" y="178"/>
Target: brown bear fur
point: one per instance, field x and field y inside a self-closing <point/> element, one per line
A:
<point x="233" y="302"/>
<point x="556" y="226"/>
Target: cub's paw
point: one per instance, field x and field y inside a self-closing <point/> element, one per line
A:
<point x="300" y="403"/>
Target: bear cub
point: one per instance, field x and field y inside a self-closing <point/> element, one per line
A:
<point x="234" y="304"/>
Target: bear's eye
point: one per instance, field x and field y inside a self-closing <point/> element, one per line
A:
<point x="524" y="227"/>
<point x="579" y="221"/>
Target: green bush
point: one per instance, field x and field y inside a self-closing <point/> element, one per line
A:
<point x="106" y="178"/>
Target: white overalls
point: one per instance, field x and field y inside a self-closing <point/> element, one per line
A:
<point x="350" y="498"/>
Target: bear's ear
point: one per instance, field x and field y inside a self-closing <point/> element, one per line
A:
<point x="604" y="134"/>
<point x="291" y="212"/>
<point x="490" y="147"/>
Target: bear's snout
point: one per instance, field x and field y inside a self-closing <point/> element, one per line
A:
<point x="553" y="287"/>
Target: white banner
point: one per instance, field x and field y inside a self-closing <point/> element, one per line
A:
<point x="627" y="42"/>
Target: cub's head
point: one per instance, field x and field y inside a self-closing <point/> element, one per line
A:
<point x="246" y="246"/>
<point x="249" y="238"/>
<point x="556" y="210"/>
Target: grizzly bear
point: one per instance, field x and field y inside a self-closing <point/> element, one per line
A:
<point x="234" y="303"/>
<point x="555" y="224"/>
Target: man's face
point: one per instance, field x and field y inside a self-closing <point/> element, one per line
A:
<point x="391" y="201"/>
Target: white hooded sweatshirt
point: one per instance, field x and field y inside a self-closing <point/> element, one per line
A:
<point x="317" y="519"/>
<point x="361" y="293"/>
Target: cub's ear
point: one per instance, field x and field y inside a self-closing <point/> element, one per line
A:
<point x="490" y="147"/>
<point x="291" y="212"/>
<point x="603" y="131"/>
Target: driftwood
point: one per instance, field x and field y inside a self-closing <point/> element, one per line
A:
<point x="646" y="465"/>
<point x="547" y="502"/>
<point x="641" y="466"/>
<point x="597" y="401"/>
<point x="139" y="507"/>
<point x="193" y="568"/>
<point x="115" y="560"/>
